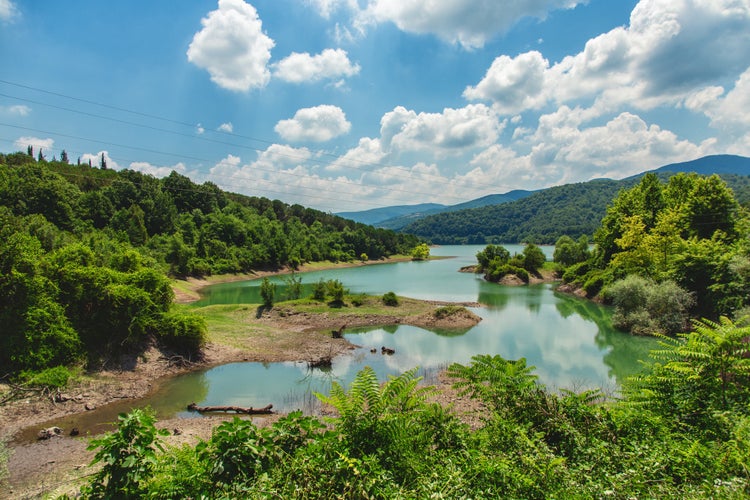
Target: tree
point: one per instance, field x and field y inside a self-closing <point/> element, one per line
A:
<point x="533" y="258"/>
<point x="103" y="162"/>
<point x="64" y="156"/>
<point x="267" y="292"/>
<point x="421" y="252"/>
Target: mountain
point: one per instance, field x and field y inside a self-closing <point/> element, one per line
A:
<point x="714" y="164"/>
<point x="399" y="216"/>
<point x="377" y="215"/>
<point x="573" y="209"/>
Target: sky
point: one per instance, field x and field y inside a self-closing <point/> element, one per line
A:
<point x="348" y="105"/>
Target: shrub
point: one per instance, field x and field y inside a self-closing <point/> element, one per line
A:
<point x="319" y="290"/>
<point x="56" y="377"/>
<point x="183" y="332"/>
<point x="267" y="292"/>
<point x="127" y="456"/>
<point x="390" y="299"/>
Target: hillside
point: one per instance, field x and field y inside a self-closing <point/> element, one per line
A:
<point x="377" y="215"/>
<point x="544" y="216"/>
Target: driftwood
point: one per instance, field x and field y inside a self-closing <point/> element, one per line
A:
<point x="236" y="409"/>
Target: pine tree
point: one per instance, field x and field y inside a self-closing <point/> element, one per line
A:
<point x="64" y="156"/>
<point x="103" y="163"/>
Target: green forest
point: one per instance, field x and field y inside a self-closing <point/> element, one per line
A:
<point x="666" y="252"/>
<point x="571" y="210"/>
<point x="86" y="254"/>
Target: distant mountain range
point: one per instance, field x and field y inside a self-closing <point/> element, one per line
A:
<point x="399" y="216"/>
<point x="542" y="215"/>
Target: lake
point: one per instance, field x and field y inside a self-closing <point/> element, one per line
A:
<point x="569" y="340"/>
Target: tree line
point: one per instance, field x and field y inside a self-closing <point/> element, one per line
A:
<point x="86" y="254"/>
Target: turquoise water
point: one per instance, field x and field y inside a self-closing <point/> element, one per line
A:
<point x="570" y="341"/>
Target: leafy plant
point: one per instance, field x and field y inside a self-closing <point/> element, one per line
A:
<point x="128" y="456"/>
<point x="267" y="292"/>
<point x="390" y="299"/>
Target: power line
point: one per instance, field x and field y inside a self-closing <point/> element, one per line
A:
<point x="407" y="173"/>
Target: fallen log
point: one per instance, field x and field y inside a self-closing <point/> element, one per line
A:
<point x="236" y="409"/>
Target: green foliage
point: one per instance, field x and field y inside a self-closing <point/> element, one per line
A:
<point x="267" y="292"/>
<point x="697" y="374"/>
<point x="644" y="307"/>
<point x="390" y="299"/>
<point x="54" y="378"/>
<point x="319" y="290"/>
<point x="336" y="291"/>
<point x="690" y="232"/>
<point x="128" y="456"/>
<point x="569" y="251"/>
<point x="293" y="285"/>
<point x="421" y="252"/>
<point x="533" y="258"/>
<point x="183" y="332"/>
<point x="496" y="253"/>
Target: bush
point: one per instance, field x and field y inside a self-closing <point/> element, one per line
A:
<point x="56" y="377"/>
<point x="267" y="292"/>
<point x="319" y="291"/>
<point x="358" y="300"/>
<point x="183" y="332"/>
<point x="390" y="299"/>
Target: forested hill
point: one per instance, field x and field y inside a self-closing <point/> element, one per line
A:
<point x="188" y="228"/>
<point x="542" y="217"/>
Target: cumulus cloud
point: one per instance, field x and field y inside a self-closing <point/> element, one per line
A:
<point x="226" y="127"/>
<point x="513" y="84"/>
<point x="232" y="47"/>
<point x="317" y="124"/>
<point x="451" y="132"/>
<point x="469" y="23"/>
<point x="727" y="111"/>
<point x="46" y="144"/>
<point x="329" y="64"/>
<point x="562" y="151"/>
<point x="669" y="50"/>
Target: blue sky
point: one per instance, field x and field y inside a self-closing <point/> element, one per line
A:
<point x="345" y="105"/>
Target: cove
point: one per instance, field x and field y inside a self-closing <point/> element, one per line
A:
<point x="569" y="340"/>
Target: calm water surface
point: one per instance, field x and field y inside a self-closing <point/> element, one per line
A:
<point x="570" y="341"/>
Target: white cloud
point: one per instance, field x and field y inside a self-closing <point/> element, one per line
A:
<point x="199" y="129"/>
<point x="329" y="64"/>
<point x="16" y="109"/>
<point x="226" y="127"/>
<point x="512" y="84"/>
<point x="8" y="10"/>
<point x="156" y="171"/>
<point x="469" y="23"/>
<point x="727" y="111"/>
<point x="96" y="160"/>
<point x="451" y="132"/>
<point x="232" y="47"/>
<point x="669" y="50"/>
<point x="46" y="144"/>
<point x="318" y="124"/>
<point x="561" y="151"/>
<point x="363" y="157"/>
